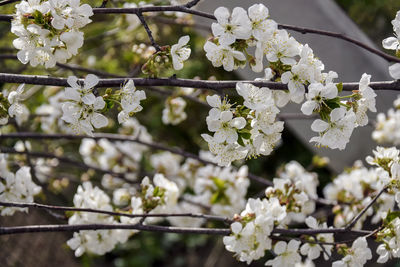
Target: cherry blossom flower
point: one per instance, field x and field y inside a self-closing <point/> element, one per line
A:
<point x="180" y="52"/>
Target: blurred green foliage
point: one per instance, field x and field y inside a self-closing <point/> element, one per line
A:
<point x="373" y="16"/>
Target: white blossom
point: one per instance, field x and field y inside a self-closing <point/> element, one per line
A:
<point x="231" y="27"/>
<point x="180" y="52"/>
<point x="223" y="55"/>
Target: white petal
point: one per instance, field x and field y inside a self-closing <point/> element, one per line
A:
<point x="394" y="71"/>
<point x="319" y="125"/>
<point x="98" y="120"/>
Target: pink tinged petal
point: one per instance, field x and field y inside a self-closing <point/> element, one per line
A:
<point x="390" y="43"/>
<point x="98" y="120"/>
<point x="319" y="126"/>
<point x="394" y="71"/>
<point x="91" y="81"/>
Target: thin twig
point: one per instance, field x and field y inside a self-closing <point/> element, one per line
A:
<point x="304" y="30"/>
<point x="192" y="3"/>
<point x="186" y="9"/>
<point x="66" y="160"/>
<point x="123" y="138"/>
<point x="80" y="227"/>
<point x="192" y="83"/>
<point x="6" y="2"/>
<point x="148" y="31"/>
<point x="112" y="213"/>
<point x="364" y="210"/>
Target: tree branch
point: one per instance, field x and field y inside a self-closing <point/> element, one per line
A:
<point x="341" y="36"/>
<point x="148" y="31"/>
<point x="112" y="213"/>
<point x="124" y="138"/>
<point x="164" y="229"/>
<point x="200" y="84"/>
<point x="80" y="227"/>
<point x="66" y="160"/>
<point x="186" y="9"/>
<point x="364" y="210"/>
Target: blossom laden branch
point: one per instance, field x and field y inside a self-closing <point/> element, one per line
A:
<point x="162" y="215"/>
<point x="66" y="160"/>
<point x="364" y="210"/>
<point x="118" y="137"/>
<point x="200" y="84"/>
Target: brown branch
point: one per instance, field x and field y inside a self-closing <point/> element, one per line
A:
<point x="186" y="9"/>
<point x="124" y="138"/>
<point x="112" y="213"/>
<point x="148" y="31"/>
<point x="199" y="84"/>
<point x="163" y="229"/>
<point x="66" y="160"/>
<point x="6" y="2"/>
<point x="80" y="227"/>
<point x="341" y="36"/>
<point x="192" y="3"/>
<point x="364" y="210"/>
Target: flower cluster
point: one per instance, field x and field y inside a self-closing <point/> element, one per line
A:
<point x="158" y="198"/>
<point x="246" y="130"/>
<point x="17" y="187"/>
<point x="338" y="118"/>
<point x="250" y="233"/>
<point x="49" y="31"/>
<point x="12" y="106"/>
<point x="83" y="109"/>
<point x="293" y="64"/>
<point x="393" y="43"/>
<point x="387" y="127"/>
<point x="356" y="187"/>
<point x="120" y="157"/>
<point x="99" y="241"/>
<point x="289" y="199"/>
<point x="222" y="189"/>
<point x="357" y="255"/>
<point x="168" y="56"/>
<point x="296" y="190"/>
<point x="130" y="101"/>
<point x="174" y="111"/>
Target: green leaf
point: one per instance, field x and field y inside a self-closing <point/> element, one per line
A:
<point x="391" y="216"/>
<point x="240" y="140"/>
<point x="339" y="87"/>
